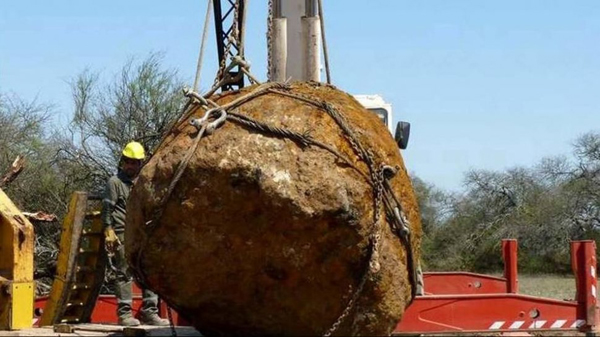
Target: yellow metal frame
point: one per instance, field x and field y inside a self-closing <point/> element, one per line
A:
<point x="80" y="267"/>
<point x="66" y="265"/>
<point x="16" y="267"/>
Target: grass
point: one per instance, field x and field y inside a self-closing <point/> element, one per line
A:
<point x="552" y="286"/>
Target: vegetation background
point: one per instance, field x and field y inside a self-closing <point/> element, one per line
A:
<point x="544" y="206"/>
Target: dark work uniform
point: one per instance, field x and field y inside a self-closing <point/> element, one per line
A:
<point x="114" y="207"/>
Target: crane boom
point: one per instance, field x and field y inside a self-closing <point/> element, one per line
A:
<point x="295" y="41"/>
<point x="230" y="18"/>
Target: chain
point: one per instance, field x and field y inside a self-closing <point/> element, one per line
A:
<point x="359" y="150"/>
<point x="235" y="30"/>
<point x="378" y="179"/>
<point x="231" y="37"/>
<point x="223" y="74"/>
<point x="170" y="315"/>
<point x="340" y="121"/>
<point x="349" y="307"/>
<point x="400" y="225"/>
<point x="269" y="39"/>
<point x="221" y="69"/>
<point x="380" y="187"/>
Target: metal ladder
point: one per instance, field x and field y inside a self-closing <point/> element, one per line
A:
<point x="81" y="264"/>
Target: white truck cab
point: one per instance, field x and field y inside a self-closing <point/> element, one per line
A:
<point x="295" y="53"/>
<point x="377" y="105"/>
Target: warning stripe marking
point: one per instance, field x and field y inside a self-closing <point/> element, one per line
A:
<point x="557" y="324"/>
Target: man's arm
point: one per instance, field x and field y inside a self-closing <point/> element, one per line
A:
<point x="109" y="201"/>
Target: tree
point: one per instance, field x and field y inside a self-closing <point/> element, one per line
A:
<point x="580" y="183"/>
<point x="544" y="207"/>
<point x="434" y="205"/>
<point x="139" y="105"/>
<point x="25" y="127"/>
<point x="434" y="208"/>
<point x="26" y="130"/>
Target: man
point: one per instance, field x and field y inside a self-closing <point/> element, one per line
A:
<point x="113" y="217"/>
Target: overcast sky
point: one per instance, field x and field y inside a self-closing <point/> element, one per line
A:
<point x="485" y="84"/>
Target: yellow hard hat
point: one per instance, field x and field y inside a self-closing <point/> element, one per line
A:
<point x="134" y="150"/>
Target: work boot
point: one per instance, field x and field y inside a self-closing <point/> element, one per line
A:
<point x="128" y="320"/>
<point x="153" y="319"/>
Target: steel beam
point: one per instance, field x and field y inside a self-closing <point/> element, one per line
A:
<point x="16" y="267"/>
<point x="224" y="13"/>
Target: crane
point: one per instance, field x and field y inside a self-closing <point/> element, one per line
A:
<point x="293" y="35"/>
<point x="230" y="18"/>
<point x="295" y="39"/>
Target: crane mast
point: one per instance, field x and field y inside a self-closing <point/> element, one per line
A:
<point x="230" y="18"/>
<point x="294" y="41"/>
<point x="293" y="35"/>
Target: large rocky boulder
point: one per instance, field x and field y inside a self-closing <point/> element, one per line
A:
<point x="265" y="235"/>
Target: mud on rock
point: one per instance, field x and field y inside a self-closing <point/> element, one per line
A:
<point x="265" y="236"/>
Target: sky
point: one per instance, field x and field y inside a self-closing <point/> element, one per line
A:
<point x="485" y="84"/>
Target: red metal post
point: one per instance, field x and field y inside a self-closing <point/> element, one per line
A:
<point x="583" y="261"/>
<point x="509" y="255"/>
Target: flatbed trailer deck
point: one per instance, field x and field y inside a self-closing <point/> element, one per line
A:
<point x="102" y="330"/>
<point x="455" y="303"/>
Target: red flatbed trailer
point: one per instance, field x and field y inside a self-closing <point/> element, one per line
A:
<point x="463" y="303"/>
<point x="470" y="303"/>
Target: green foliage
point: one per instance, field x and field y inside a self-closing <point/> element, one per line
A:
<point x="139" y="104"/>
<point x="25" y="132"/>
<point x="544" y="207"/>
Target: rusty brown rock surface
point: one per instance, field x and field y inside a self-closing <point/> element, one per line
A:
<point x="264" y="237"/>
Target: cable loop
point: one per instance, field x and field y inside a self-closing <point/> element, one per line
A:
<point x="218" y="113"/>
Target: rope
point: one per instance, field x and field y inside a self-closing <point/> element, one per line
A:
<point x="324" y="40"/>
<point x="261" y="90"/>
<point x="380" y="185"/>
<point x="180" y="169"/>
<point x="340" y="121"/>
<point x="202" y="45"/>
<point x="304" y="139"/>
<point x="137" y="269"/>
<point x="377" y="177"/>
<point x="401" y="228"/>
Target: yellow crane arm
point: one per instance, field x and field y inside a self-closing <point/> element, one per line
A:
<point x="16" y="267"/>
